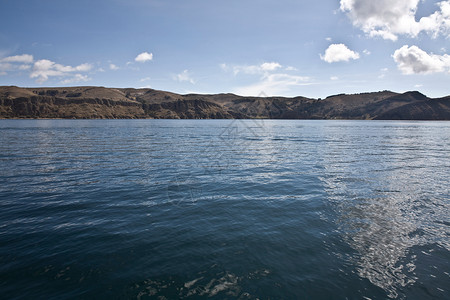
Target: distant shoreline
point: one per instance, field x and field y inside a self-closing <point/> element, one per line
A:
<point x="143" y="119"/>
<point x="128" y="103"/>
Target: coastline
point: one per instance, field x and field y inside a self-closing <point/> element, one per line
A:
<point x="128" y="103"/>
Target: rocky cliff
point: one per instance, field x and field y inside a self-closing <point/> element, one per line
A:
<point x="100" y="102"/>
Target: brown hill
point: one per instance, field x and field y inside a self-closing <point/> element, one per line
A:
<point x="71" y="102"/>
<point x="101" y="102"/>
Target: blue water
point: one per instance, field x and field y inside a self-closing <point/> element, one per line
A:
<point x="223" y="209"/>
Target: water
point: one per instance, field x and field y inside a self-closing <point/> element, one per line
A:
<point x="223" y="209"/>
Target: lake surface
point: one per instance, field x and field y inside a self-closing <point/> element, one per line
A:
<point x="224" y="209"/>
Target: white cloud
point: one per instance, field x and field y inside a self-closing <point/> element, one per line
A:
<point x="290" y="68"/>
<point x="144" y="56"/>
<point x="252" y="69"/>
<point x="184" y="76"/>
<point x="24" y="67"/>
<point x="44" y="68"/>
<point x="145" y="79"/>
<point x="334" y="78"/>
<point x="75" y="78"/>
<point x="273" y="84"/>
<point x="24" y="58"/>
<point x="113" y="67"/>
<point x="14" y="63"/>
<point x="338" y="52"/>
<point x="388" y="19"/>
<point x="413" y="60"/>
<point x="270" y="66"/>
<point x="366" y="52"/>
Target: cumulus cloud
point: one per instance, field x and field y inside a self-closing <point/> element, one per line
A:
<point x="338" y="52"/>
<point x="24" y="58"/>
<point x="413" y="60"/>
<point x="44" y="68"/>
<point x="184" y="76"/>
<point x="388" y="19"/>
<point x="14" y="63"/>
<point x="144" y="57"/>
<point x="270" y="66"/>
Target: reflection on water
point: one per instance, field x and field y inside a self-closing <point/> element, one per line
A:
<point x="385" y="194"/>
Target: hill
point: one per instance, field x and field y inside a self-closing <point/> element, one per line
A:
<point x="100" y="102"/>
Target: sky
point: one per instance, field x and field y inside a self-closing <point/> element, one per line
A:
<point x="246" y="47"/>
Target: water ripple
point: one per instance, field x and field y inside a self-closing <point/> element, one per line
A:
<point x="242" y="209"/>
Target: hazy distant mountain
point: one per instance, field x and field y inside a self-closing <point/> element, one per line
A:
<point x="100" y="102"/>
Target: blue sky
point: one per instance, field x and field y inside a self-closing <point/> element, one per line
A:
<point x="247" y="47"/>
